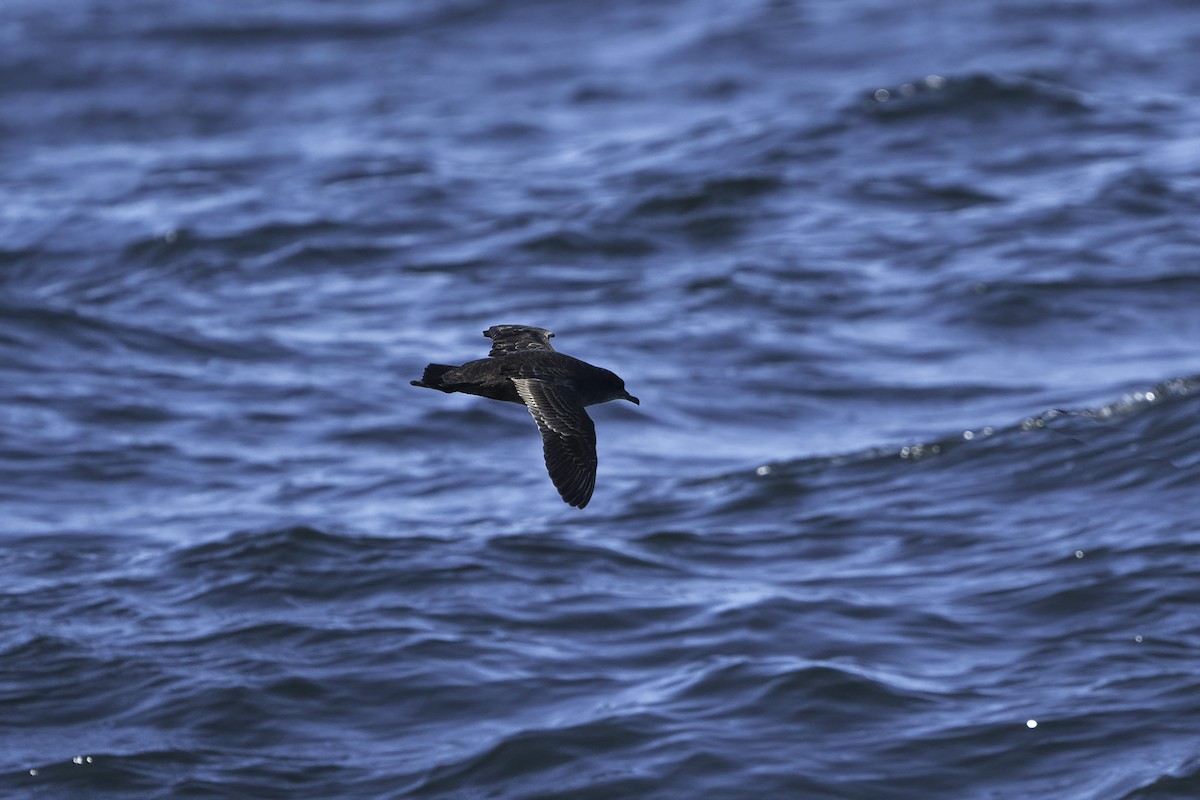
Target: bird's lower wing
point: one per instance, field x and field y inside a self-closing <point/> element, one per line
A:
<point x="568" y="437"/>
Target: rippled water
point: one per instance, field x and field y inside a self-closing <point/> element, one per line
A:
<point x="908" y="292"/>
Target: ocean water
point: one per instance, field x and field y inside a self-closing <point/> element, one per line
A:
<point x="910" y="293"/>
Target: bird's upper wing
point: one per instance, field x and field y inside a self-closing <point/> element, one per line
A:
<point x="515" y="338"/>
<point x="568" y="437"/>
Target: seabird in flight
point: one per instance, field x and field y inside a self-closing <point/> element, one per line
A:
<point x="522" y="367"/>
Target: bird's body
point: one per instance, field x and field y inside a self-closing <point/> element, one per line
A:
<point x="523" y="368"/>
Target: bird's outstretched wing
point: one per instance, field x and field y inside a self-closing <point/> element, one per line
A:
<point x="568" y="437"/>
<point x="516" y="338"/>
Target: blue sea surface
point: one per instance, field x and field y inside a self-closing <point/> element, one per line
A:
<point x="910" y="293"/>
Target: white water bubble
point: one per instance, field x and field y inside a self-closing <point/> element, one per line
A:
<point x="1031" y="723"/>
<point x="1079" y="554"/>
<point x="765" y="469"/>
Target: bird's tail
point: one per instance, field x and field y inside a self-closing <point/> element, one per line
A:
<point x="431" y="378"/>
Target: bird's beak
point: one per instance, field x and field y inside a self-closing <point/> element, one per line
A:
<point x="632" y="399"/>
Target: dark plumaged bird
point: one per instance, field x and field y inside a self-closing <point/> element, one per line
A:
<point x="522" y="367"/>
